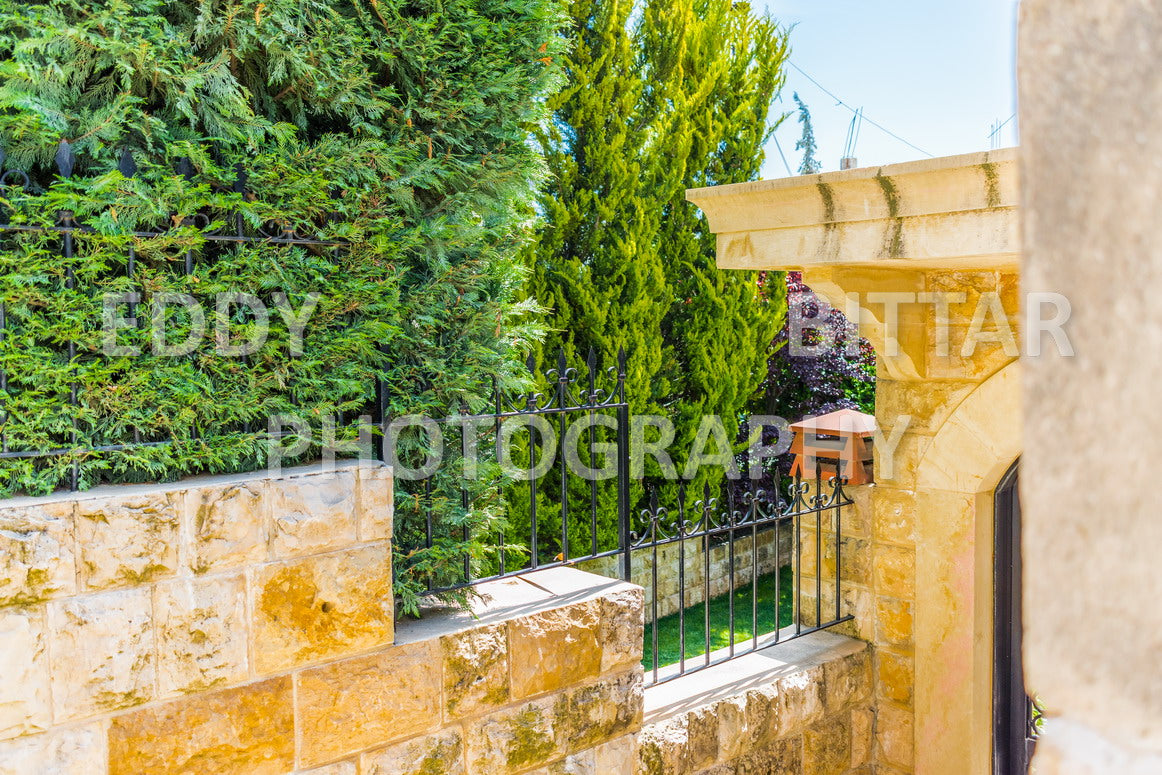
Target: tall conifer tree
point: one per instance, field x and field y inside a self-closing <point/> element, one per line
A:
<point x="663" y="95"/>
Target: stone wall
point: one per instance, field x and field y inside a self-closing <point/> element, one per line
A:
<point x="809" y="712"/>
<point x="692" y="552"/>
<point x="190" y="627"/>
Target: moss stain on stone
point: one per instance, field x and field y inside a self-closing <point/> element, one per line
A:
<point x="828" y="198"/>
<point x="993" y="182"/>
<point x="894" y="239"/>
<point x="530" y="742"/>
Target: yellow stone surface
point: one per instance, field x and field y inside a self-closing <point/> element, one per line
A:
<point x="553" y="649"/>
<point x="126" y="540"/>
<point x="201" y="633"/>
<point x="312" y="513"/>
<point x="249" y="730"/>
<point x="475" y="670"/>
<point x="321" y="607"/>
<point x="228" y="525"/>
<point x="438" y="754"/>
<point x="359" y="703"/>
<point x="894" y="516"/>
<point x="103" y="652"/>
<point x="894" y="677"/>
<point x="894" y="621"/>
<point x="25" y="702"/>
<point x="895" y="571"/>
<point x="36" y="553"/>
<point x="376" y="502"/>
<point x="73" y="750"/>
<point x="894" y="735"/>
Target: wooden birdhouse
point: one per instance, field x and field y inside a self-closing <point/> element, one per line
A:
<point x="840" y="441"/>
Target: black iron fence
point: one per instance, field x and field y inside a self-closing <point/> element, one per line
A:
<point x="726" y="572"/>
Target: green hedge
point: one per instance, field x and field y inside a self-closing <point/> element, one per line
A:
<point x="398" y="128"/>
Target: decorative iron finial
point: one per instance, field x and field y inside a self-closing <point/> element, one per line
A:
<point x="561" y="363"/>
<point x="591" y="360"/>
<point x="65" y="159"/>
<point x="531" y="363"/>
<point x="127" y="166"/>
<point x="621" y="361"/>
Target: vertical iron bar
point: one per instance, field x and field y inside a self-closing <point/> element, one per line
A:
<point x="496" y="408"/>
<point x="681" y="577"/>
<point x="838" y="544"/>
<point x="70" y="284"/>
<point x="562" y="393"/>
<point x="464" y="501"/>
<point x="730" y="567"/>
<point x="623" y="470"/>
<point x="797" y="584"/>
<point x="818" y="508"/>
<point x="754" y="566"/>
<point x="535" y="549"/>
<point x="706" y="511"/>
<point x="3" y="382"/>
<point x="654" y="576"/>
<point x="591" y="362"/>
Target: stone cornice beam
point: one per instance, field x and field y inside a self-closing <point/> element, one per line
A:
<point x="862" y="232"/>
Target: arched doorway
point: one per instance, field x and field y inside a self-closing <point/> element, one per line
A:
<point x="1015" y="715"/>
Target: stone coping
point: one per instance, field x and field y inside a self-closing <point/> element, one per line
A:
<point x="202" y="480"/>
<point x="750" y="671"/>
<point x="508" y="598"/>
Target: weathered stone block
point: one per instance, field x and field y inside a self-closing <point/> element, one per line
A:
<point x="894" y="516"/>
<point x="335" y="768"/>
<point x="125" y="540"/>
<point x="894" y="735"/>
<point x="894" y="621"/>
<point x="475" y="670"/>
<point x="376" y="502"/>
<point x="201" y="633"/>
<point x="103" y="653"/>
<point x="862" y="729"/>
<point x="74" y="750"/>
<point x="556" y="648"/>
<point x="227" y="525"/>
<point x="895" y="677"/>
<point x="25" y="701"/>
<point x="312" y="513"/>
<point x="36" y="553"/>
<point x="248" y="731"/>
<point x="616" y="756"/>
<point x="438" y="754"/>
<point x="359" y="703"/>
<point x="588" y="715"/>
<point x="321" y="607"/>
<point x="784" y="756"/>
<point x="827" y="746"/>
<point x="552" y="727"/>
<point x="734" y="735"/>
<point x="798" y="700"/>
<point x="513" y="739"/>
<point x="895" y="572"/>
<point x="847" y="681"/>
<point x="622" y="622"/>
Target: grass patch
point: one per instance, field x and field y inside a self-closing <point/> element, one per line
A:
<point x="669" y="640"/>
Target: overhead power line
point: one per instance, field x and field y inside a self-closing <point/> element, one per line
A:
<point x="856" y="111"/>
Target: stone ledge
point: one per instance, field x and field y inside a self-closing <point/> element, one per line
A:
<point x="803" y="706"/>
<point x="741" y="674"/>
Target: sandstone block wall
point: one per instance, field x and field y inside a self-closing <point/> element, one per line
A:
<point x="182" y="627"/>
<point x="814" y="719"/>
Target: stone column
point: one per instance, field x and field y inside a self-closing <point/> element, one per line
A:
<point x="887" y="243"/>
<point x="1091" y="100"/>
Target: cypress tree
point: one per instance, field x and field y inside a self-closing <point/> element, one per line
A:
<point x="662" y="95"/>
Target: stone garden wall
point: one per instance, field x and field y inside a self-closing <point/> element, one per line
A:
<point x="203" y="626"/>
<point x="802" y="708"/>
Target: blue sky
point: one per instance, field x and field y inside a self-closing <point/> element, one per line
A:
<point x="938" y="73"/>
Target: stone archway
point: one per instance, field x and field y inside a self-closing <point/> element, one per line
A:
<point x="955" y="483"/>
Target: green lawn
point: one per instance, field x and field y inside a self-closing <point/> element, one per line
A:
<point x="668" y="626"/>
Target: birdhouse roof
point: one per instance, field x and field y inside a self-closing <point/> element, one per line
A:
<point x="842" y="421"/>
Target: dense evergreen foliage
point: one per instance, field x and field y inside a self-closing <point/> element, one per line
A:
<point x="398" y="127"/>
<point x="662" y="95"/>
